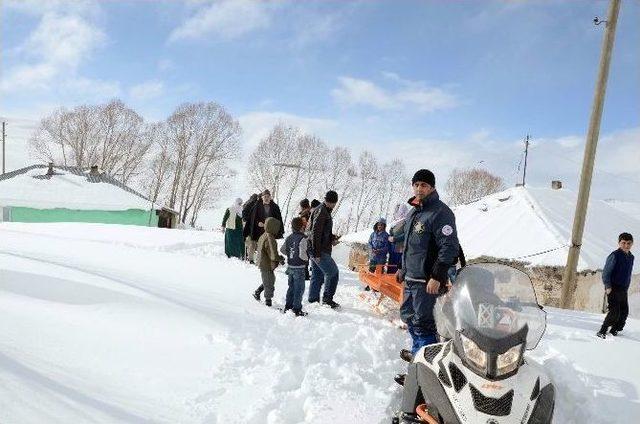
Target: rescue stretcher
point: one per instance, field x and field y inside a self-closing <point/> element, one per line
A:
<point x="382" y="280"/>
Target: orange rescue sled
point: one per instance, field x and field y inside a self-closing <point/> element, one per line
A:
<point x="384" y="283"/>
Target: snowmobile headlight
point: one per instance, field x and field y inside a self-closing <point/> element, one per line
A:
<point x="509" y="360"/>
<point x="473" y="353"/>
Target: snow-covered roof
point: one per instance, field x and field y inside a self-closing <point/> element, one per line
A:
<point x="68" y="187"/>
<point x="534" y="225"/>
<point x="630" y="208"/>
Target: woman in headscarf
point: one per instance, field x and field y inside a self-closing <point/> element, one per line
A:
<point x="232" y="224"/>
<point x="396" y="236"/>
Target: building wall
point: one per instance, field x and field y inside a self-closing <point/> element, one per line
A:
<point x="590" y="291"/>
<point x="126" y="217"/>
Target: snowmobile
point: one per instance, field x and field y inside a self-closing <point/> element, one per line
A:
<point x="480" y="373"/>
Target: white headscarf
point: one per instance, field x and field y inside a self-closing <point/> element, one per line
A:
<point x="400" y="212"/>
<point x="237" y="207"/>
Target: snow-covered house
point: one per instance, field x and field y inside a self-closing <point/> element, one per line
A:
<point x="533" y="226"/>
<point x="41" y="193"/>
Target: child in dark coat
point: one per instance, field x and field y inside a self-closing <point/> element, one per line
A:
<point x="379" y="243"/>
<point x="295" y="249"/>
<point x="268" y="259"/>
<point x="616" y="277"/>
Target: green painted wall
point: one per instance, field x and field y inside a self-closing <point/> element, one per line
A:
<point x="127" y="217"/>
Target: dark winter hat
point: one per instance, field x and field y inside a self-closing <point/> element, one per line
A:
<point x="266" y="191"/>
<point x="297" y="224"/>
<point x="625" y="237"/>
<point x="304" y="203"/>
<point x="425" y="176"/>
<point x="331" y="197"/>
<point x="314" y="203"/>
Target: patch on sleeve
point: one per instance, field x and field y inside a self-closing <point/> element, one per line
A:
<point x="447" y="230"/>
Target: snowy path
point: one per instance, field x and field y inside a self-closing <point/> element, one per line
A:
<point x="122" y="324"/>
<point x="102" y="331"/>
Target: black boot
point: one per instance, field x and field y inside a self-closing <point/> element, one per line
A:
<point x="267" y="302"/>
<point x="256" y="294"/>
<point x="406" y="355"/>
<point x="331" y="303"/>
<point x="399" y="378"/>
<point x="300" y="313"/>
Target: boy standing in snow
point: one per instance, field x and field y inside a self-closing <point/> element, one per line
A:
<point x="295" y="248"/>
<point x="616" y="277"/>
<point x="379" y="243"/>
<point x="268" y="259"/>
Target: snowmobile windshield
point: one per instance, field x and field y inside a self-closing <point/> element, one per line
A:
<point x="494" y="300"/>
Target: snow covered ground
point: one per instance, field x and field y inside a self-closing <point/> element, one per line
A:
<point x="114" y="324"/>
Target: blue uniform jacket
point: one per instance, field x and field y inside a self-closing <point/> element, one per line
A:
<point x="431" y="240"/>
<point x="617" y="270"/>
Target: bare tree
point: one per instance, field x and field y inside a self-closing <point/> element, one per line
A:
<point x="339" y="174"/>
<point x="297" y="165"/>
<point x="111" y="136"/>
<point x="365" y="188"/>
<point x="160" y="167"/>
<point x="467" y="185"/>
<point x="265" y="168"/>
<point x="392" y="187"/>
<point x="201" y="140"/>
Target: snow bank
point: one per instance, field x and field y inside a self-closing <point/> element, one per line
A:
<point x="109" y="329"/>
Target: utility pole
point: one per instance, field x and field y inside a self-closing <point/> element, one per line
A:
<point x="526" y="153"/>
<point x="4" y="124"/>
<point x="569" y="278"/>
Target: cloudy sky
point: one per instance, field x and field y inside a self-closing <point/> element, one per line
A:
<point x="439" y="84"/>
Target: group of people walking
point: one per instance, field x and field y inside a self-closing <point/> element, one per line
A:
<point x="421" y="248"/>
<point x="251" y="230"/>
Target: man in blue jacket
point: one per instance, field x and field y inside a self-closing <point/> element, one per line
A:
<point x="616" y="277"/>
<point x="430" y="248"/>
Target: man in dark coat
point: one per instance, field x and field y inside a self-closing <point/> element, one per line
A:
<point x="430" y="248"/>
<point x="264" y="208"/>
<point x="324" y="270"/>
<point x="249" y="243"/>
<point x="616" y="277"/>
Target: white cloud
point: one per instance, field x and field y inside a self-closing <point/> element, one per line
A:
<point x="165" y="65"/>
<point x="313" y="28"/>
<point x="225" y="19"/>
<point x="408" y="95"/>
<point x="256" y="125"/>
<point x="88" y="89"/>
<point x="356" y="91"/>
<point x="549" y="159"/>
<point x="65" y="37"/>
<point x="39" y="7"/>
<point x="147" y="90"/>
